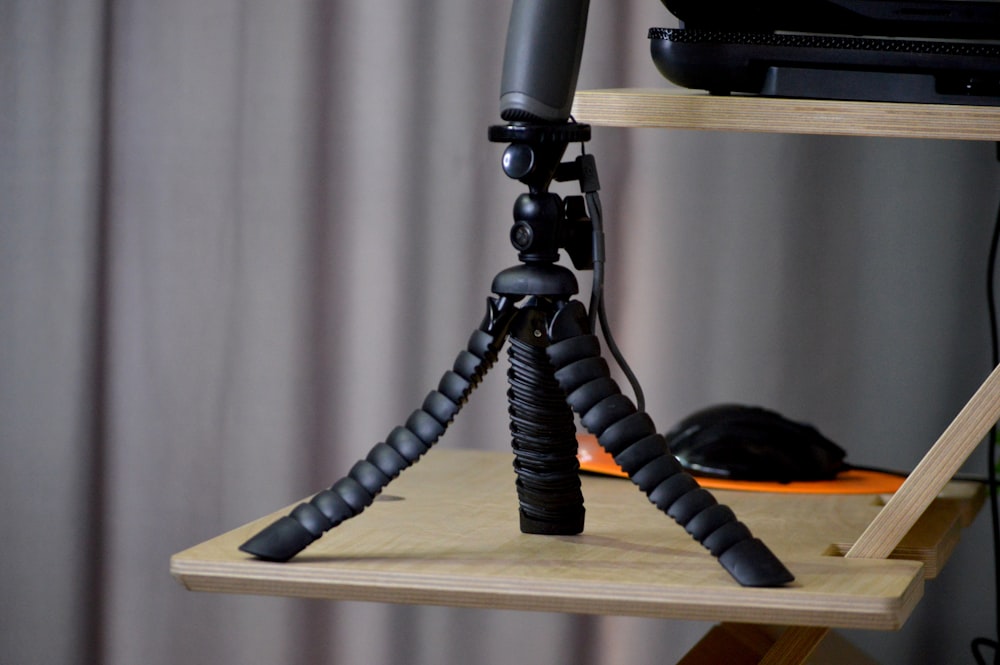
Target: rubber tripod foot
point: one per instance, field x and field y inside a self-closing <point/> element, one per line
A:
<point x="569" y="526"/>
<point x="280" y="541"/>
<point x="752" y="564"/>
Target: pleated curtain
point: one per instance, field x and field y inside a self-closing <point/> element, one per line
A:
<point x="240" y="241"/>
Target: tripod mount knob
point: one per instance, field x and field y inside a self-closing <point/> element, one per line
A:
<point x="535" y="151"/>
<point x="518" y="160"/>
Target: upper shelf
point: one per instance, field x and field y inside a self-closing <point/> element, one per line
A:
<point x="683" y="109"/>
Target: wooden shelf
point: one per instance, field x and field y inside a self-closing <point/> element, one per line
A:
<point x="682" y="109"/>
<point x="447" y="534"/>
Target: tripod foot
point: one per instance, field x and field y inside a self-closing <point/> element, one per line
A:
<point x="280" y="541"/>
<point x="752" y="564"/>
<point x="350" y="495"/>
<point x="631" y="438"/>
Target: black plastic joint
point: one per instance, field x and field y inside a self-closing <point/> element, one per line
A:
<point x="499" y="312"/>
<point x="570" y="321"/>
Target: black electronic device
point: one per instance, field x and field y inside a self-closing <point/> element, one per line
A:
<point x="557" y="371"/>
<point x="739" y="442"/>
<point x="931" y="19"/>
<point x="923" y="51"/>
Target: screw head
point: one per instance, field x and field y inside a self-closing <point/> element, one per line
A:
<point x="521" y="236"/>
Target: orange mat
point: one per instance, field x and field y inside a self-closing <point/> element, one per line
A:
<point x="595" y="459"/>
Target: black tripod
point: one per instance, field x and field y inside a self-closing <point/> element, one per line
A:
<point x="556" y="369"/>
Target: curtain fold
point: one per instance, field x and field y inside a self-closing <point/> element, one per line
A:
<point x="51" y="82"/>
<point x="240" y="241"/>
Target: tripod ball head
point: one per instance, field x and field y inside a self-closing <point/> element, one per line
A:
<point x="537" y="222"/>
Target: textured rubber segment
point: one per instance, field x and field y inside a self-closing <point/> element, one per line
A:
<point x="573" y="349"/>
<point x="630" y="437"/>
<point x="440" y="407"/>
<point x="626" y="431"/>
<point x="410" y="446"/>
<point x="606" y="413"/>
<point x="454" y="387"/>
<point x="425" y="426"/>
<point x="350" y="495"/>
<point x="333" y="506"/>
<point x="369" y="476"/>
<point x="311" y="518"/>
<point x="352" y="492"/>
<point x="576" y="374"/>
<point x="387" y="460"/>
<point x="589" y="394"/>
<point x="641" y="453"/>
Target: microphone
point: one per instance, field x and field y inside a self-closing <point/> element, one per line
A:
<point x="542" y="59"/>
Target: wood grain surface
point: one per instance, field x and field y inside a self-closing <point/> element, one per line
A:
<point x="446" y="533"/>
<point x="684" y="109"/>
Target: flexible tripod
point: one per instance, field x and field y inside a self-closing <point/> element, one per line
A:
<point x="556" y="369"/>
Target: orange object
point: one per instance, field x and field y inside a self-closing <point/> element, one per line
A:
<point x="595" y="459"/>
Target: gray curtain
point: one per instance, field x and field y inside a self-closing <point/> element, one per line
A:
<point x="239" y="240"/>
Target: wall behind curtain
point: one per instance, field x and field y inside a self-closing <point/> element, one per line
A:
<point x="239" y="241"/>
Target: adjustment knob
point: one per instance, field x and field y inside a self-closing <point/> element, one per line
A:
<point x="522" y="236"/>
<point x="518" y="160"/>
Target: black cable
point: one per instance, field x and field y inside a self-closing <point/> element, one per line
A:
<point x="598" y="314"/>
<point x="597" y="290"/>
<point x="980" y="642"/>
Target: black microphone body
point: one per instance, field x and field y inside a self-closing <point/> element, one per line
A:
<point x="542" y="60"/>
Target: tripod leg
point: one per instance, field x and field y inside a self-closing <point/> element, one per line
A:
<point x="631" y="438"/>
<point x="350" y="495"/>
<point x="543" y="435"/>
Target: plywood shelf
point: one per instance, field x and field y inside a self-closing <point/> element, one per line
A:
<point x="447" y="534"/>
<point x="683" y="109"/>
